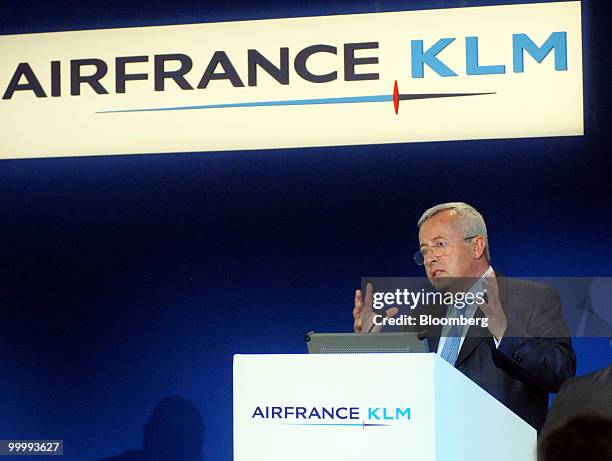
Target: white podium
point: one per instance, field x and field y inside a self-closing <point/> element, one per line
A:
<point x="383" y="407"/>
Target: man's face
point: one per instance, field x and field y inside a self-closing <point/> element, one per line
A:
<point x="442" y="230"/>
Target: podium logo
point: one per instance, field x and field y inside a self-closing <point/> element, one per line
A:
<point x="349" y="416"/>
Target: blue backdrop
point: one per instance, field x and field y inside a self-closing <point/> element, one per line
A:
<point x="128" y="279"/>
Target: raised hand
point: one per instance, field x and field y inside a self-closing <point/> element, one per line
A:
<point x="493" y="309"/>
<point x="363" y="313"/>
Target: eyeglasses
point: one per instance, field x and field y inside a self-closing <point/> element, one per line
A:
<point x="440" y="248"/>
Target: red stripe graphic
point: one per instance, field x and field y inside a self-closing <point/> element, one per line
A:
<point x="396" y="97"/>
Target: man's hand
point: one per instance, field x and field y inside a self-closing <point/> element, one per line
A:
<point x="493" y="309"/>
<point x="363" y="313"/>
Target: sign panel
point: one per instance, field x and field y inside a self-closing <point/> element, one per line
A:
<point x="361" y="407"/>
<point x="329" y="406"/>
<point x="436" y="75"/>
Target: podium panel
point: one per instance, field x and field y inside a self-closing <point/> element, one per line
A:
<point x="369" y="406"/>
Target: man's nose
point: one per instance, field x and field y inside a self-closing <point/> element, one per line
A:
<point x="431" y="258"/>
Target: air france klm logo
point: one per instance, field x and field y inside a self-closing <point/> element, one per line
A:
<point x="345" y="416"/>
<point x="179" y="70"/>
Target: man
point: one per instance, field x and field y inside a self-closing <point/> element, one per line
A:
<point x="524" y="352"/>
<point x="579" y="424"/>
<point x="586" y="437"/>
<point x="588" y="395"/>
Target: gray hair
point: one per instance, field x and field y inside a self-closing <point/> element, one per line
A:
<point x="470" y="220"/>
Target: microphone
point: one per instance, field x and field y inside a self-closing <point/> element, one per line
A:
<point x="307" y="336"/>
<point x="424" y="336"/>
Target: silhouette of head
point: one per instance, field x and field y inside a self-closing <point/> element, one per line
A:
<point x="585" y="438"/>
<point x="174" y="432"/>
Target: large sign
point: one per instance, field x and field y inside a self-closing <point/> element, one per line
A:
<point x="436" y="75"/>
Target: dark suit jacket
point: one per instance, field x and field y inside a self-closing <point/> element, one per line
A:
<point x="534" y="357"/>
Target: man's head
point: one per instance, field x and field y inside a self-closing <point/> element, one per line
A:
<point x="453" y="242"/>
<point x="586" y="437"/>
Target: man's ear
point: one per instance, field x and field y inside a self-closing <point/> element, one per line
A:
<point x="478" y="246"/>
